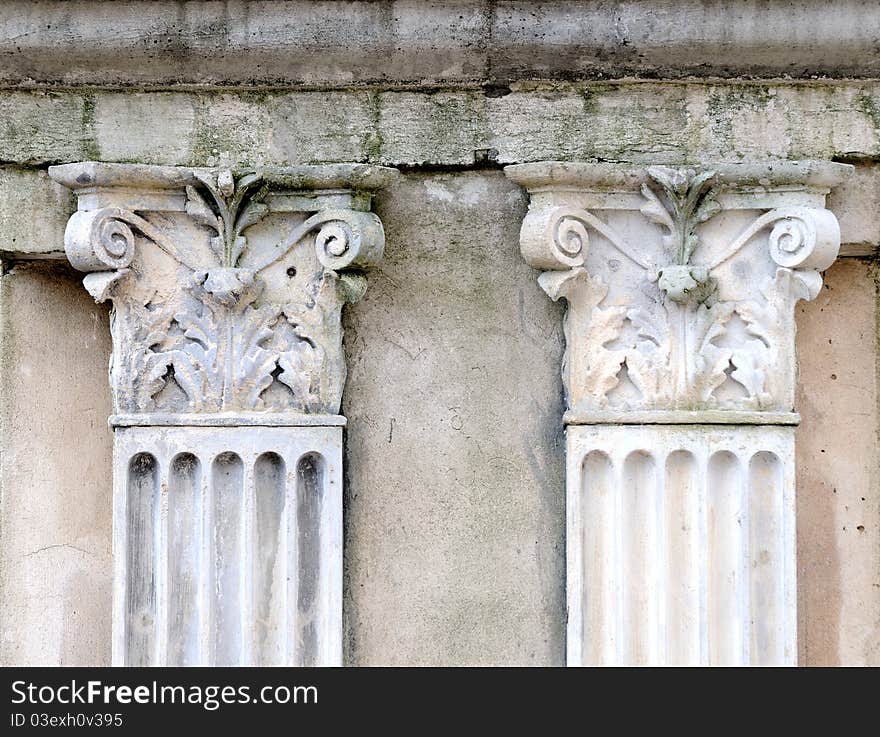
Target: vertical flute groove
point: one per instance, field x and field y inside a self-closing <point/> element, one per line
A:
<point x="639" y="492"/>
<point x="246" y="554"/>
<point x="766" y="562"/>
<point x="291" y="562"/>
<point x="597" y="494"/>
<point x="227" y="480"/>
<point x="682" y="568"/>
<point x="183" y="543"/>
<point x="310" y="542"/>
<point x="206" y="577"/>
<point x="744" y="590"/>
<point x="269" y="565"/>
<point x="141" y="522"/>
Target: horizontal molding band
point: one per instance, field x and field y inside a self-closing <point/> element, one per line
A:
<point x="254" y="419"/>
<point x="456" y="42"/>
<point x="681" y="417"/>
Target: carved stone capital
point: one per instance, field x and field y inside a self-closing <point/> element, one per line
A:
<point x="227" y="287"/>
<point x="680" y="282"/>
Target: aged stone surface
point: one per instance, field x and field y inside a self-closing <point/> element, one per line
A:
<point x="203" y="320"/>
<point x="455" y="555"/>
<point x="227" y="375"/>
<point x="681" y="286"/>
<point x="33" y="214"/>
<point x="682" y="545"/>
<point x="700" y="318"/>
<point x="647" y="123"/>
<point x="455" y="518"/>
<point x="442" y="42"/>
<point x="651" y="122"/>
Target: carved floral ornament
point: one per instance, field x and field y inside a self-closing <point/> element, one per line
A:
<point x="227" y="287"/>
<point x="681" y="283"/>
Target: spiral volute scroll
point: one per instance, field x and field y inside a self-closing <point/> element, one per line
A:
<point x="99" y="240"/>
<point x="570" y="237"/>
<point x="805" y="238"/>
<point x="554" y="238"/>
<point x="348" y="238"/>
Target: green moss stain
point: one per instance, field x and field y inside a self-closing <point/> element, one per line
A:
<point x="373" y="137"/>
<point x="725" y="103"/>
<point x="866" y="104"/>
<point x="655" y="122"/>
<point x="89" y="137"/>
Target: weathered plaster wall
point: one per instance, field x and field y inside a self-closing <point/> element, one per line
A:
<point x="838" y="460"/>
<point x="55" y="476"/>
<point x="454" y="531"/>
<point x="455" y="513"/>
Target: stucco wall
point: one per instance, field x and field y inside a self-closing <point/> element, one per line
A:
<point x="454" y="509"/>
<point x="838" y="459"/>
<point x="55" y="477"/>
<point x="455" y="526"/>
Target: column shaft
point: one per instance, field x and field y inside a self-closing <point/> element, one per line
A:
<point x="681" y="545"/>
<point x="228" y="547"/>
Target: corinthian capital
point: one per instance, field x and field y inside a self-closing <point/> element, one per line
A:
<point x="227" y="286"/>
<point x="681" y="283"/>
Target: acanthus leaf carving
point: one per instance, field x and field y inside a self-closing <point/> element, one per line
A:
<point x="689" y="201"/>
<point x="674" y="361"/>
<point x="648" y="357"/>
<point x="220" y="351"/>
<point x="595" y="370"/>
<point x="750" y="371"/>
<point x="141" y="328"/>
<point x="705" y="366"/>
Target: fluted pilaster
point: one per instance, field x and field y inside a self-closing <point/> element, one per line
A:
<point x="680" y="376"/>
<point x="227" y="375"/>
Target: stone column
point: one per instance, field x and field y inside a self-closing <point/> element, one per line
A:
<point x="680" y="375"/>
<point x="227" y="374"/>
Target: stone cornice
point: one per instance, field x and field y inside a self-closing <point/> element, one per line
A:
<point x="452" y="43"/>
